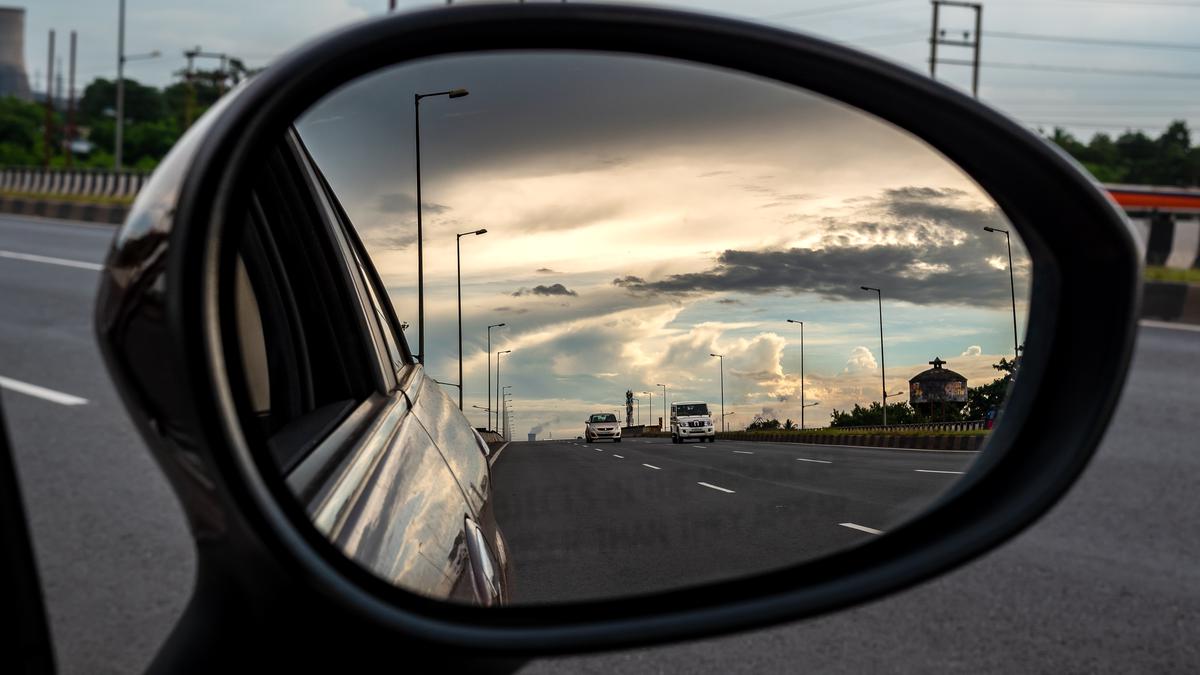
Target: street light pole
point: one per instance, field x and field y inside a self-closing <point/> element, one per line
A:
<point x="882" y="362"/>
<point x="667" y="419"/>
<point x="120" y="132"/>
<point x="802" y="406"/>
<point x="489" y="348"/>
<point x="450" y="93"/>
<point x="119" y="135"/>
<point x="458" y="261"/>
<point x="504" y="408"/>
<point x="498" y="354"/>
<point x="722" y="357"/>
<point x="1012" y="288"/>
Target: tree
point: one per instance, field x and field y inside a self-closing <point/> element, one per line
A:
<point x="763" y="424"/>
<point x="1134" y="157"/>
<point x="858" y="416"/>
<point x="788" y="425"/>
<point x="99" y="102"/>
<point x="20" y="132"/>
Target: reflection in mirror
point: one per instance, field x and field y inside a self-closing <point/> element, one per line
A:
<point x="551" y="326"/>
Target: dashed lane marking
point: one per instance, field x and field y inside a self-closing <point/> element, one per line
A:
<point x="714" y="487"/>
<point x="30" y="257"/>
<point x="40" y="392"/>
<point x="861" y="528"/>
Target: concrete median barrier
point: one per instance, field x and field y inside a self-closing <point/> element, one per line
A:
<point x="909" y="441"/>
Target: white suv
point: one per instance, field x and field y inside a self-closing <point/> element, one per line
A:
<point x="602" y="425"/>
<point x="690" y="419"/>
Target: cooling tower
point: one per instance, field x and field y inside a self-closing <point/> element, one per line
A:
<point x="13" y="81"/>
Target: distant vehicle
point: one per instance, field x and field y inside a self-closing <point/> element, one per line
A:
<point x="691" y="419"/>
<point x="602" y="425"/>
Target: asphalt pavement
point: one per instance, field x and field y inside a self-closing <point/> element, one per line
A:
<point x="604" y="520"/>
<point x="1107" y="582"/>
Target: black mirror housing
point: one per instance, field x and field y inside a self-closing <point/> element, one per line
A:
<point x="265" y="571"/>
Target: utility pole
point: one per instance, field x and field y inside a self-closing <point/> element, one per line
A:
<point x="120" y="123"/>
<point x="49" y="129"/>
<point x="71" y="105"/>
<point x="938" y="36"/>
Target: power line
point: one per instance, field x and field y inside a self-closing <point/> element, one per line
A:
<point x="1107" y="42"/>
<point x="1084" y="70"/>
<point x="825" y="9"/>
<point x="1089" y="125"/>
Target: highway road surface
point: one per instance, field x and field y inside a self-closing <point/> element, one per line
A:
<point x="1107" y="582"/>
<point x="605" y="520"/>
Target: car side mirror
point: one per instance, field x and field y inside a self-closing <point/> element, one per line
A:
<point x="269" y="428"/>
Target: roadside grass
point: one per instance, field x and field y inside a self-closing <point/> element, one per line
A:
<point x="81" y="199"/>
<point x="1158" y="273"/>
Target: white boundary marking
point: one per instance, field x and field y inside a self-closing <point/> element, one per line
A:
<point x="1169" y="325"/>
<point x="935" y="471"/>
<point x="496" y="455"/>
<point x="814" y="461"/>
<point x="743" y="452"/>
<point x="715" y="487"/>
<point x="651" y="466"/>
<point x="13" y="255"/>
<point x="861" y="528"/>
<point x="40" y="392"/>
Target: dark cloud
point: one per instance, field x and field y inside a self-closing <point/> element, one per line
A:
<point x="552" y="289"/>
<point x="510" y="310"/>
<point x="729" y="301"/>
<point x="629" y="281"/>
<point x="403" y="202"/>
<point x="545" y="270"/>
<point x="925" y="249"/>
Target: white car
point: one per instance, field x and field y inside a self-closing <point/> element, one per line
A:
<point x="602" y="425"/>
<point x="690" y="419"/>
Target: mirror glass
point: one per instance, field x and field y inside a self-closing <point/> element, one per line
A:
<point x="662" y="306"/>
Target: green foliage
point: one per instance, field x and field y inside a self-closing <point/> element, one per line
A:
<point x="763" y="424"/>
<point x="154" y="120"/>
<point x="1137" y="158"/>
<point x="858" y="416"/>
<point x="98" y="103"/>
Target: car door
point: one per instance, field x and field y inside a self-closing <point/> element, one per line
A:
<point x="336" y="393"/>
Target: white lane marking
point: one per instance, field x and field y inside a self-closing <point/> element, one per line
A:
<point x="40" y="392"/>
<point x="815" y="461"/>
<point x="1150" y="323"/>
<point x="743" y="452"/>
<point x="651" y="466"/>
<point x="51" y="261"/>
<point x="933" y="471"/>
<point x="715" y="487"/>
<point x="599" y="450"/>
<point x="619" y="456"/>
<point x="861" y="528"/>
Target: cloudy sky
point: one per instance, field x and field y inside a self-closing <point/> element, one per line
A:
<point x="1160" y="57"/>
<point x="637" y="223"/>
